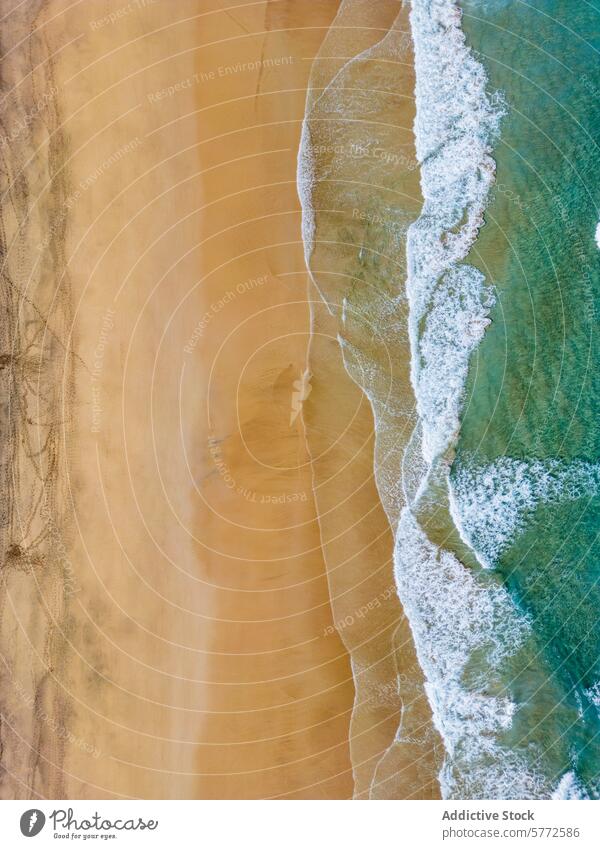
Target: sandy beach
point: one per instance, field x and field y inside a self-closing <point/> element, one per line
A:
<point x="185" y="646"/>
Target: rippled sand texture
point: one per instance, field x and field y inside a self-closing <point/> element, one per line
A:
<point x="360" y="189"/>
<point x="166" y="627"/>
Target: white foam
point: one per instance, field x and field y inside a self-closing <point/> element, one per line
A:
<point x="593" y="694"/>
<point x="452" y="617"/>
<point x="460" y="623"/>
<point x="490" y="503"/>
<point x="569" y="787"/>
<point x="598" y="234"/>
<point x="305" y="182"/>
<point x="455" y="125"/>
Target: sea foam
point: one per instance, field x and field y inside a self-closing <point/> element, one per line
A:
<point x="456" y="123"/>
<point x="305" y="182"/>
<point x="465" y="629"/>
<point x="490" y="503"/>
<point x="454" y="617"/>
<point x="469" y="633"/>
<point x="569" y="787"/>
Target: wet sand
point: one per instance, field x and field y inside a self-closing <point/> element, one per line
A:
<point x="360" y="211"/>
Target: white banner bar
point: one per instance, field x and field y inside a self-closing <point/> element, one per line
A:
<point x="300" y="824"/>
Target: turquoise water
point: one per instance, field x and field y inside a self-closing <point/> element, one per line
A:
<point x="530" y="416"/>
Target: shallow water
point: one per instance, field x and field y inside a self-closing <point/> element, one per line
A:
<point x="358" y="180"/>
<point x="467" y="308"/>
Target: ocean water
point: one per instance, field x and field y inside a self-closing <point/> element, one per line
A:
<point x="526" y="473"/>
<point x="450" y="221"/>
